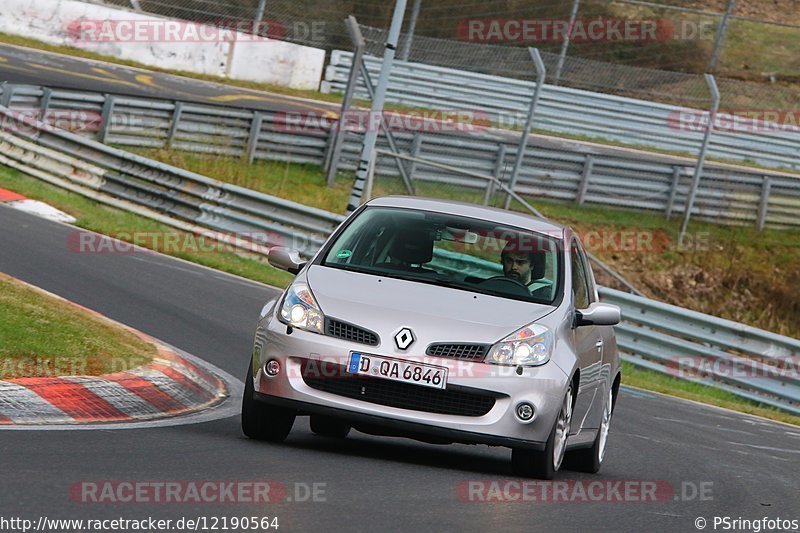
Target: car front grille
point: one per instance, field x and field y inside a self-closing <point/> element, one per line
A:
<point x="468" y="352"/>
<point x="401" y="395"/>
<point x="343" y="330"/>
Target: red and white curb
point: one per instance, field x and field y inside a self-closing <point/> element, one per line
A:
<point x="34" y="207"/>
<point x="169" y="385"/>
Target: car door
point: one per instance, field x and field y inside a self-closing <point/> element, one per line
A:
<point x="588" y="342"/>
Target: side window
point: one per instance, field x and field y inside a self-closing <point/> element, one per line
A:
<point x="580" y="289"/>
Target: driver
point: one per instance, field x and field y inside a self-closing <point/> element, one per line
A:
<point x="525" y="267"/>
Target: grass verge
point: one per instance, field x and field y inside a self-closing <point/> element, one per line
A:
<point x="646" y="379"/>
<point x="110" y="221"/>
<point x="305" y="184"/>
<point x="46" y="337"/>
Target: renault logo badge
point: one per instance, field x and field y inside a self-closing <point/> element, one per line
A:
<point x="404" y="338"/>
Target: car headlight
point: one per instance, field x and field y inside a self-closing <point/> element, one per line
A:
<point x="300" y="309"/>
<point x="530" y="346"/>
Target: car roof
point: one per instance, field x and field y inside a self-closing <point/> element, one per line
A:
<point x="501" y="216"/>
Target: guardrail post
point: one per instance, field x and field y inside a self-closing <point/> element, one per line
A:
<point x="416" y="147"/>
<point x="255" y="133"/>
<point x="44" y="103"/>
<point x="8" y="93"/>
<point x="588" y="165"/>
<point x="673" y="192"/>
<point x="499" y="170"/>
<point x="108" y="115"/>
<point x="177" y="113"/>
<point x="763" y="207"/>
<point x="336" y="135"/>
<point x="541" y="72"/>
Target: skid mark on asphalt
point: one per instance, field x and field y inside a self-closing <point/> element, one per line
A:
<point x="766" y="448"/>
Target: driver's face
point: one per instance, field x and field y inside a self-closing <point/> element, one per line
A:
<point x="518" y="267"/>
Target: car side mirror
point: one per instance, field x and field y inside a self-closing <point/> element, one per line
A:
<point x="287" y="259"/>
<point x="598" y="314"/>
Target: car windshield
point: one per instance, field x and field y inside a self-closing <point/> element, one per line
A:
<point x="452" y="251"/>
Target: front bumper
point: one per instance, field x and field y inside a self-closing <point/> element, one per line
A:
<point x="543" y="387"/>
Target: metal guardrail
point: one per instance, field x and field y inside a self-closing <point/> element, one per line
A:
<point x="573" y="111"/>
<point x="552" y="168"/>
<point x="749" y="362"/>
<point x="91" y="167"/>
<point x="652" y="335"/>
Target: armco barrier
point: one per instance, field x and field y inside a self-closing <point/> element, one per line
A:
<point x="553" y="168"/>
<point x="653" y="335"/>
<point x="572" y="111"/>
<point x="746" y="361"/>
<point x="89" y="166"/>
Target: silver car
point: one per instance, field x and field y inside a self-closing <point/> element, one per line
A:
<point x="443" y="322"/>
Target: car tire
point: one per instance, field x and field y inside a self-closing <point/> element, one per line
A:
<point x="261" y="421"/>
<point x="326" y="426"/>
<point x="590" y="460"/>
<point x="545" y="463"/>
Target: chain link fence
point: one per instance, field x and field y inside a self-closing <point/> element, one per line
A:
<point x="666" y="68"/>
<point x="756" y="41"/>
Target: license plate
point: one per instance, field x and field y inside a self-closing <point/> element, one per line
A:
<point x="398" y="370"/>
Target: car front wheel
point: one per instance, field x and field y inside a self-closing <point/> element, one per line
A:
<point x="544" y="464"/>
<point x="261" y="421"/>
<point x="591" y="459"/>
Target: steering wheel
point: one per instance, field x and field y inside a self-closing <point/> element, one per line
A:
<point x="514" y="286"/>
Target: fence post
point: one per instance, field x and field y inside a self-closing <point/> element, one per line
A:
<point x="336" y="135"/>
<point x="673" y="192"/>
<point x="763" y="207"/>
<point x="388" y="132"/>
<point x="255" y="133"/>
<point x="371" y="137"/>
<point x="108" y="116"/>
<point x="541" y="72"/>
<point x="588" y="165"/>
<point x="176" y="119"/>
<point x="701" y="159"/>
<point x="720" y="37"/>
<point x="562" y="56"/>
<point x="499" y="170"/>
<point x="412" y="27"/>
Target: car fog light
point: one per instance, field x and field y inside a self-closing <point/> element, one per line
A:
<point x="525" y="412"/>
<point x="272" y="368"/>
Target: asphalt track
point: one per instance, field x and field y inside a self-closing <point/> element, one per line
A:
<point x="35" y="67"/>
<point x="750" y="467"/>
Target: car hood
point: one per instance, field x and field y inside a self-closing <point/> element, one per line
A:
<point x="434" y="314"/>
